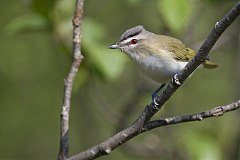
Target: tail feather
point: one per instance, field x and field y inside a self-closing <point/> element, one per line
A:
<point x="209" y="65"/>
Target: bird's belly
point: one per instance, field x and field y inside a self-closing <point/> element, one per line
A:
<point x="159" y="69"/>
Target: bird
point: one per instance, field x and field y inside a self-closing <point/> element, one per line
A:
<point x="160" y="57"/>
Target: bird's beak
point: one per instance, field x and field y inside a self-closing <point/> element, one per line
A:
<point x="114" y="46"/>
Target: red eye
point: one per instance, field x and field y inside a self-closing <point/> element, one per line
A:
<point x="134" y="41"/>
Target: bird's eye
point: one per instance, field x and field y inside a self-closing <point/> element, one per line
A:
<point x="134" y="41"/>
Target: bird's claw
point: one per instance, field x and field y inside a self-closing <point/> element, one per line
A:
<point x="176" y="80"/>
<point x="155" y="104"/>
<point x="154" y="95"/>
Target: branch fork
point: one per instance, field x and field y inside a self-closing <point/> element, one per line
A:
<point x="142" y="123"/>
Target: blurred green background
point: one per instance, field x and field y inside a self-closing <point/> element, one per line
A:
<point x="110" y="92"/>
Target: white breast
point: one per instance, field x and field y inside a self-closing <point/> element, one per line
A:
<point x="159" y="68"/>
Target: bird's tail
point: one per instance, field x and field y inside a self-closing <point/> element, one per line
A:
<point x="209" y="65"/>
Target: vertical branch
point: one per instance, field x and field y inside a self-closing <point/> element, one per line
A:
<point x="68" y="83"/>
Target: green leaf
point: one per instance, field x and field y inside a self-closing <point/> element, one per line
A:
<point x="26" y="22"/>
<point x="134" y="1"/>
<point x="43" y="7"/>
<point x="109" y="62"/>
<point x="63" y="10"/>
<point x="61" y="17"/>
<point x="176" y="13"/>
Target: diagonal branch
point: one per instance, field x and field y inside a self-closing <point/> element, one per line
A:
<point x="137" y="127"/>
<point x="201" y="55"/>
<point x="68" y="83"/>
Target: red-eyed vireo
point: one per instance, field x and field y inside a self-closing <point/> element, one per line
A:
<point x="160" y="57"/>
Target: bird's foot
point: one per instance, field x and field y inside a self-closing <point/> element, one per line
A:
<point x="154" y="96"/>
<point x="176" y="80"/>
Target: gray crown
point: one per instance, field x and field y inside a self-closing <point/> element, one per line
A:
<point x="131" y="32"/>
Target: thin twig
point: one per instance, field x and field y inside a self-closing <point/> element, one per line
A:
<point x="137" y="127"/>
<point x="215" y="112"/>
<point x="107" y="146"/>
<point x="68" y="83"/>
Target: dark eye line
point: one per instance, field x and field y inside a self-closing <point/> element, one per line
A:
<point x="130" y="34"/>
<point x="130" y="42"/>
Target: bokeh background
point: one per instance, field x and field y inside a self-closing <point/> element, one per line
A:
<point x="110" y="92"/>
